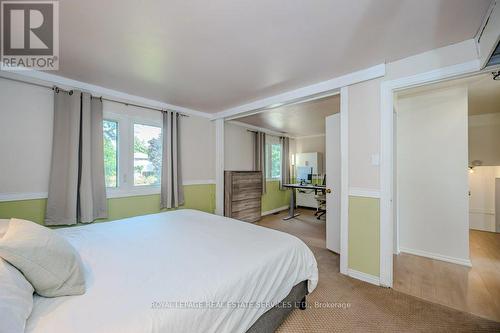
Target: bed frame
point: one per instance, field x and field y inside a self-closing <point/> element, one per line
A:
<point x="273" y="318"/>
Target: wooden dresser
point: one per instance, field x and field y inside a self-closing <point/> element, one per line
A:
<point x="242" y="195"/>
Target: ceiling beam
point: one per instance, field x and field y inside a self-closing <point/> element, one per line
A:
<point x="293" y="96"/>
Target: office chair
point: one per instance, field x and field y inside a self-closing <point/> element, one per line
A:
<point x="321" y="199"/>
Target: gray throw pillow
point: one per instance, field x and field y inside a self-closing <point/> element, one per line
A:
<point x="47" y="260"/>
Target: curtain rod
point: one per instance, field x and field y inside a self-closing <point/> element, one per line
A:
<point x="279" y="136"/>
<point x="57" y="89"/>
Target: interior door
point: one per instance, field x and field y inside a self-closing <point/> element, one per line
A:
<point x="332" y="150"/>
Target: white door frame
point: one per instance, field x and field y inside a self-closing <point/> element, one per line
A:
<point x="314" y="91"/>
<point x="344" y="168"/>
<point x="387" y="90"/>
<point x="219" y="167"/>
<point x="344" y="180"/>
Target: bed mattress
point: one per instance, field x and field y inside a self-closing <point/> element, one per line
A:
<point x="179" y="271"/>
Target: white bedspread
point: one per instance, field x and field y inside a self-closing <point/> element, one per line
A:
<point x="140" y="270"/>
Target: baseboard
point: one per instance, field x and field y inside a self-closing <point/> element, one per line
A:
<point x="276" y="210"/>
<point x="453" y="260"/>
<point x="364" y="277"/>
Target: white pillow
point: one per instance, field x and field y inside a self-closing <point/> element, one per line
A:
<point x="16" y="299"/>
<point x="4" y="225"/>
<point x="46" y="259"/>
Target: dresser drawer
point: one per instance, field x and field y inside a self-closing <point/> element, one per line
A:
<point x="249" y="215"/>
<point x="245" y="204"/>
<point x="243" y="195"/>
<point x="247" y="186"/>
<point x="252" y="193"/>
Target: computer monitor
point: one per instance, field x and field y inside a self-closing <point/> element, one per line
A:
<point x="304" y="174"/>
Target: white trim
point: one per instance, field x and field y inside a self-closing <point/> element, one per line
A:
<point x="257" y="128"/>
<point x="276" y="210"/>
<point x="486" y="18"/>
<point x="33" y="76"/>
<point x="364" y="277"/>
<point x="277" y="179"/>
<point x="110" y="192"/>
<point x="135" y="191"/>
<point x="22" y="196"/>
<point x="387" y="155"/>
<point x="199" y="182"/>
<point x="492" y="37"/>
<point x="219" y="166"/>
<point x="482" y="211"/>
<point x="364" y="192"/>
<point x="344" y="179"/>
<point x="437" y="75"/>
<point x="453" y="260"/>
<point x="293" y="102"/>
<point x="309" y="136"/>
<point x="308" y="91"/>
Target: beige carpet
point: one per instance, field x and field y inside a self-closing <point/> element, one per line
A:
<point x="343" y="304"/>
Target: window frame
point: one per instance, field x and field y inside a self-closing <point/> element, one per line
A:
<point x="269" y="161"/>
<point x="118" y="180"/>
<point x="144" y="122"/>
<point x="125" y="177"/>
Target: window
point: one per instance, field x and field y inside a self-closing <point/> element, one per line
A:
<point x="273" y="152"/>
<point x="110" y="136"/>
<point x="147" y="155"/>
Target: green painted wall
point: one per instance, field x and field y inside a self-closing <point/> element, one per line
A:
<point x="364" y="235"/>
<point x="274" y="197"/>
<point x="31" y="210"/>
<point x="201" y="197"/>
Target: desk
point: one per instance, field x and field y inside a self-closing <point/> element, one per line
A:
<point x="293" y="187"/>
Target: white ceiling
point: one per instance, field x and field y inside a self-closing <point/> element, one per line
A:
<point x="303" y="119"/>
<point x="214" y="55"/>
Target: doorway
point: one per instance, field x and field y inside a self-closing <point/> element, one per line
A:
<point x="446" y="153"/>
<point x="313" y="130"/>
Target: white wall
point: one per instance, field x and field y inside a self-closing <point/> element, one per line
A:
<point x="310" y="145"/>
<point x="364" y="135"/>
<point x="484" y="138"/>
<point x="26" y="117"/>
<point x="364" y="107"/>
<point x="432" y="174"/>
<point x="482" y="197"/>
<point x="238" y="148"/>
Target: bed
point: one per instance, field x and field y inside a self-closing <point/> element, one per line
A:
<point x="179" y="271"/>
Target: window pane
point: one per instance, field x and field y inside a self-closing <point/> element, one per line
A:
<point x="110" y="136"/>
<point x="275" y="161"/>
<point x="147" y="155"/>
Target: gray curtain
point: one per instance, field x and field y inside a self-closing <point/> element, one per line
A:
<point x="76" y="186"/>
<point x="172" y="192"/>
<point x="92" y="201"/>
<point x="260" y="156"/>
<point x="285" y="162"/>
